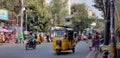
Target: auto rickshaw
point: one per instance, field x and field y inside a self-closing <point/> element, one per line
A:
<point x="39" y="39"/>
<point x="63" y="40"/>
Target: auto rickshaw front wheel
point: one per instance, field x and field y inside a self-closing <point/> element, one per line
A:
<point x="73" y="50"/>
<point x="58" y="52"/>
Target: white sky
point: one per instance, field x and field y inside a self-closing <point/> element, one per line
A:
<point x="89" y="4"/>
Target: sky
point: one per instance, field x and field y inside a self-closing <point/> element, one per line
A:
<point x="88" y="4"/>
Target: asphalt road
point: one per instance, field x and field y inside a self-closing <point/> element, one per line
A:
<point x="43" y="50"/>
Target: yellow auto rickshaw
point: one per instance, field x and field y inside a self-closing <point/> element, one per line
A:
<point x="39" y="39"/>
<point x="63" y="40"/>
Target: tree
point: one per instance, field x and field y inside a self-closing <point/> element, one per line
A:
<point x="9" y="4"/>
<point x="99" y="4"/>
<point x="80" y="18"/>
<point x="100" y="24"/>
<point x="58" y="10"/>
<point x="39" y="16"/>
<point x="13" y="6"/>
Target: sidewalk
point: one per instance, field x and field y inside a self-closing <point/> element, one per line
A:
<point x="94" y="54"/>
<point x="99" y="55"/>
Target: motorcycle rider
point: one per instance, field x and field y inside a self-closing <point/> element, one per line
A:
<point x="32" y="40"/>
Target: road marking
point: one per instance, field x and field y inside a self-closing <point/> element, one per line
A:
<point x="89" y="54"/>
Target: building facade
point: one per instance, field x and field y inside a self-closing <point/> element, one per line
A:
<point x="68" y="5"/>
<point x="90" y="14"/>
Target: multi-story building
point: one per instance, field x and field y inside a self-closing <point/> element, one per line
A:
<point x="68" y="5"/>
<point x="90" y="14"/>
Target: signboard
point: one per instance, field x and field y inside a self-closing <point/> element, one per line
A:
<point x="3" y="14"/>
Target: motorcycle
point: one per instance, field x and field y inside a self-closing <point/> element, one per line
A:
<point x="30" y="44"/>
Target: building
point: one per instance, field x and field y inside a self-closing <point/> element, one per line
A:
<point x="68" y="20"/>
<point x="68" y="6"/>
<point x="90" y="14"/>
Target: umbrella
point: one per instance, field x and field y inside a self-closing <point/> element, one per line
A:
<point x="4" y="30"/>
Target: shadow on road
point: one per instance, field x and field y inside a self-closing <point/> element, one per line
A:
<point x="65" y="53"/>
<point x="29" y="49"/>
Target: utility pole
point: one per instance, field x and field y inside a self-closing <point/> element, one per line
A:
<point x="109" y="29"/>
<point x="107" y="26"/>
<point x="17" y="26"/>
<point x="22" y="9"/>
<point x="26" y="20"/>
<point x="22" y="15"/>
<point x="112" y="21"/>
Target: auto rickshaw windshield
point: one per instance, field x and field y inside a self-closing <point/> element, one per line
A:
<point x="60" y="33"/>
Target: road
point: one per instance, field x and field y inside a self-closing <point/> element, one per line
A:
<point x="43" y="50"/>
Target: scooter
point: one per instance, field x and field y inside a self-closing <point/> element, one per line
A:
<point x="30" y="44"/>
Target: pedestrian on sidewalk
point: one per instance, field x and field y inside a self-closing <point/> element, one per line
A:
<point x="89" y="41"/>
<point x="96" y="41"/>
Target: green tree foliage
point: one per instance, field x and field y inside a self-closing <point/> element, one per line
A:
<point x="100" y="24"/>
<point x="80" y="19"/>
<point x="99" y="4"/>
<point x="9" y="4"/>
<point x="38" y="15"/>
<point x="58" y="10"/>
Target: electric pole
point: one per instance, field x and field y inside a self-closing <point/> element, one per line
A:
<point x="107" y="27"/>
<point x="26" y="20"/>
<point x="22" y="15"/>
<point x="22" y="9"/>
<point x="112" y="21"/>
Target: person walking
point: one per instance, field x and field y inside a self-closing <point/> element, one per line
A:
<point x="89" y="41"/>
<point x="96" y="41"/>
